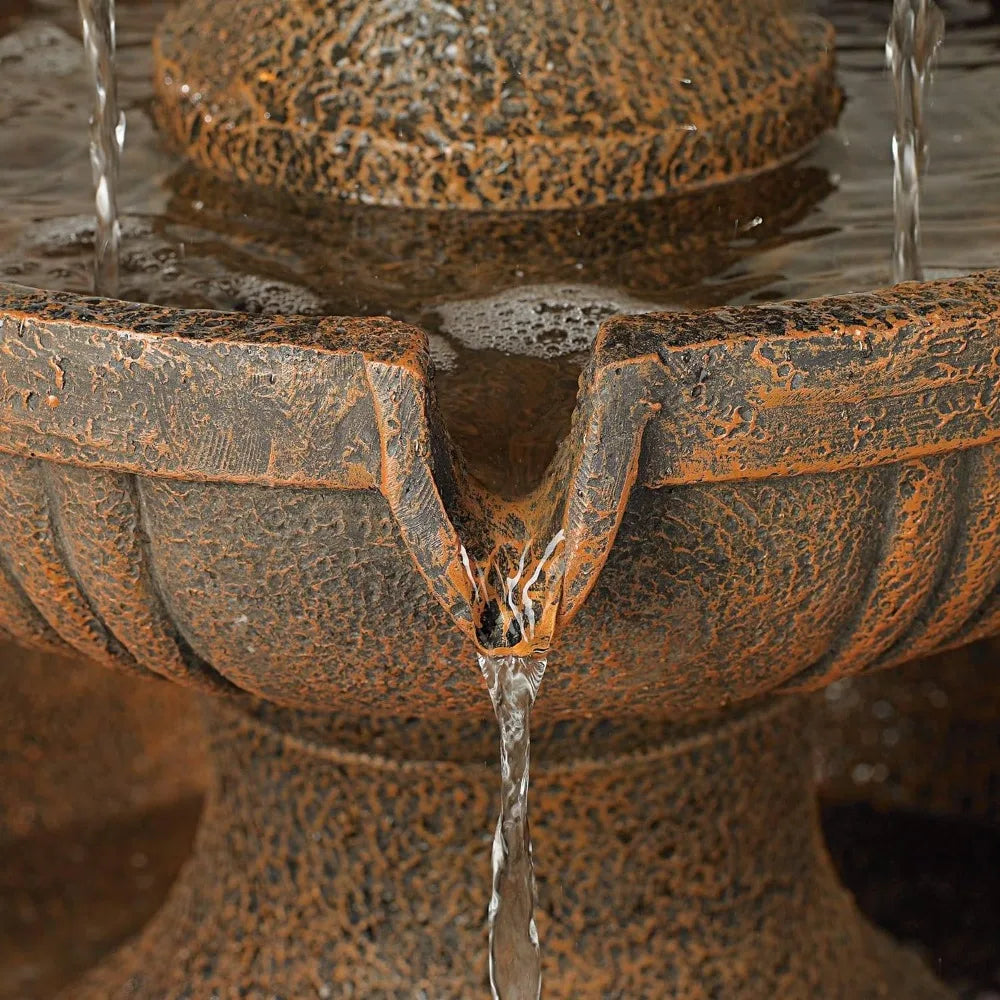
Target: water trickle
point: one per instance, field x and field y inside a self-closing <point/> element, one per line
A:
<point x="107" y="136"/>
<point x="515" y="955"/>
<point x="916" y="31"/>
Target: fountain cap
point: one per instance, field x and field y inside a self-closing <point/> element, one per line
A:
<point x="535" y="104"/>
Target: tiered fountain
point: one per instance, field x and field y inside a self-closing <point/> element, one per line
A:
<point x="299" y="517"/>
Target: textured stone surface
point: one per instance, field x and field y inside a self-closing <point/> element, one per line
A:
<point x="535" y="104"/>
<point x="770" y="497"/>
<point x="674" y="870"/>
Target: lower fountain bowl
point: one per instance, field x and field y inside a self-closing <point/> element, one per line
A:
<point x="749" y="501"/>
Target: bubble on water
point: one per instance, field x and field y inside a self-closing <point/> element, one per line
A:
<point x="544" y="321"/>
<point x="70" y="231"/>
<point x="252" y="294"/>
<point x="862" y="773"/>
<point x="442" y="353"/>
<point x="883" y="709"/>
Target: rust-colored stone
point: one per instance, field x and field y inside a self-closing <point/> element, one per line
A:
<point x="534" y="104"/>
<point x="325" y="869"/>
<point x="276" y="496"/>
<point x="749" y="500"/>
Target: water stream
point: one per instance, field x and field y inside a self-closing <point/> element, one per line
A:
<point x="916" y="31"/>
<point x="515" y="955"/>
<point x="107" y="136"/>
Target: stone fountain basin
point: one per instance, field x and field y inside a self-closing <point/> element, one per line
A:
<point x="752" y="499"/>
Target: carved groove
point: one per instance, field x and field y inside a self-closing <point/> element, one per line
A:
<point x="194" y="666"/>
<point x="985" y="622"/>
<point x="100" y="526"/>
<point x="917" y="522"/>
<point x="972" y="568"/>
<point x="20" y="617"/>
<point x="827" y="667"/>
<point x="942" y="568"/>
<point x="29" y="534"/>
<point x="63" y="559"/>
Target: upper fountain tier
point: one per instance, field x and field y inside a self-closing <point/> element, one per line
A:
<point x="534" y="104"/>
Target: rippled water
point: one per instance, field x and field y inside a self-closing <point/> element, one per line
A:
<point x="838" y="244"/>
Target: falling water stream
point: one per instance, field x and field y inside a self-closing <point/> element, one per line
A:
<point x="515" y="956"/>
<point x="107" y="136"/>
<point x="916" y="31"/>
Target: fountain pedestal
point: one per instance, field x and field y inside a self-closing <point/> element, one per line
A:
<point x="672" y="870"/>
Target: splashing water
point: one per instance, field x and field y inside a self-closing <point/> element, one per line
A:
<point x="915" y="33"/>
<point x="107" y="136"/>
<point x="515" y="955"/>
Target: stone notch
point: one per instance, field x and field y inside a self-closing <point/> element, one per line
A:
<point x="526" y="104"/>
<point x="346" y="404"/>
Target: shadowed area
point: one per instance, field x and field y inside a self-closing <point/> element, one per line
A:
<point x="70" y="897"/>
<point x="930" y="881"/>
<point x="101" y="779"/>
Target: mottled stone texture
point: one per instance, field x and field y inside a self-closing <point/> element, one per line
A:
<point x="674" y="871"/>
<point x="749" y="500"/>
<point x="533" y="104"/>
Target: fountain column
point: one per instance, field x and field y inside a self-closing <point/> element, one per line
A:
<point x="673" y="870"/>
